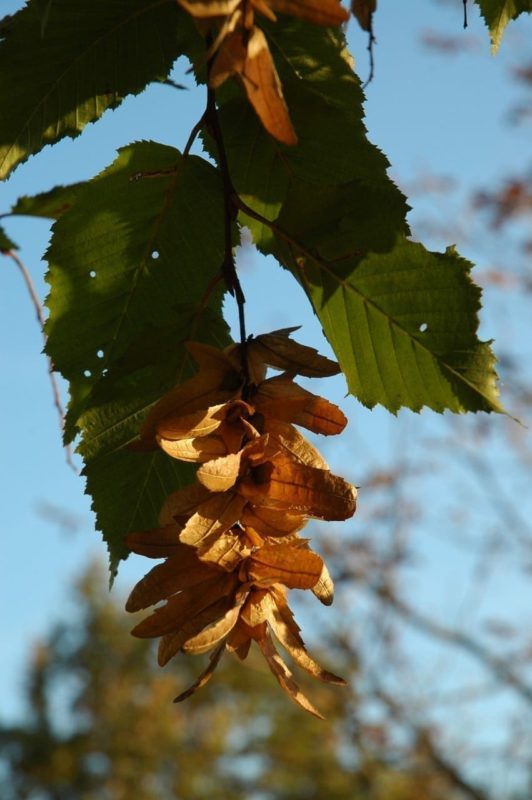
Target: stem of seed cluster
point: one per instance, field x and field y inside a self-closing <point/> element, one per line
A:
<point x="212" y="122"/>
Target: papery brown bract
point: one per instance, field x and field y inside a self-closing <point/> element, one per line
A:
<point x="232" y="539"/>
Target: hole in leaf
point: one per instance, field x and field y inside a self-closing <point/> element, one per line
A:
<point x="423" y="327"/>
<point x="155" y="254"/>
<point x="92" y="273"/>
<point x="87" y="373"/>
<point x="100" y="353"/>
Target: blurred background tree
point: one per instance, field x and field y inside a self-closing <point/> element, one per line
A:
<point x="100" y="726"/>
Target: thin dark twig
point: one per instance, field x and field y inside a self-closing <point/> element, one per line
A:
<point x="231" y="206"/>
<point x="371" y="41"/>
<point x="440" y="762"/>
<point x="465" y="14"/>
<point x="51" y="373"/>
<point x="498" y="667"/>
<point x="193" y="133"/>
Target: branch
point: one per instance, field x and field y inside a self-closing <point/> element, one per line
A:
<point x="231" y="206"/>
<point x="500" y="669"/>
<point x="440" y="762"/>
<point x="51" y="373"/>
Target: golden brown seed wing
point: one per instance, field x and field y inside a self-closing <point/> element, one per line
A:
<point x="264" y="91"/>
<point x="177" y="573"/>
<point x="182" y="607"/>
<point x="287" y="632"/>
<point x="295" y="567"/>
<point x="196" y="450"/>
<point x="213" y="518"/>
<point x="213" y="635"/>
<point x="183" y="503"/>
<point x="285" y="400"/>
<point x="209" y="8"/>
<point x="363" y="10"/>
<point x="158" y="542"/>
<point x="320" y="12"/>
<point x="285" y="484"/>
<point x="220" y="474"/>
<point x="205" y="676"/>
<point x="257" y="608"/>
<point x="286" y="437"/>
<point x="198" y="423"/>
<point x="171" y="643"/>
<point x="216" y="382"/>
<point x="277" y="350"/>
<point x="284" y="676"/>
<point x="272" y="521"/>
<point x="227" y="550"/>
<point x="324" y="588"/>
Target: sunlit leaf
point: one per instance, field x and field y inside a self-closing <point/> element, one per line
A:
<point x="86" y="60"/>
<point x="498" y="13"/>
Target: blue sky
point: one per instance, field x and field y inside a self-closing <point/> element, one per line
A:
<point x="431" y="115"/>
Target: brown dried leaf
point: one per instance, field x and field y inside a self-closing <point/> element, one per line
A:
<point x="264" y="91"/>
<point x="213" y="518"/>
<point x="272" y="521"/>
<point x="284" y="676"/>
<point x="220" y="474"/>
<point x="277" y="350"/>
<point x="363" y="11"/>
<point x="158" y="542"/>
<point x="287" y="632"/>
<point x="320" y="12"/>
<point x="285" y="400"/>
<point x="295" y="567"/>
<point x="248" y="56"/>
<point x="205" y="676"/>
<point x="257" y="608"/>
<point x="196" y="450"/>
<point x="227" y="550"/>
<point x="230" y="59"/>
<point x="187" y="426"/>
<point x="240" y="638"/>
<point x="183" y="503"/>
<point x="285" y="484"/>
<point x="209" y="8"/>
<point x="176" y="573"/>
<point x="285" y="437"/>
<point x="256" y="366"/>
<point x="324" y="589"/>
<point x="216" y="382"/>
<point x="171" y="643"/>
<point x="182" y="607"/>
<point x="212" y="635"/>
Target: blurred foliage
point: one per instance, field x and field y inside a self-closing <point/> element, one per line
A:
<point x="100" y="725"/>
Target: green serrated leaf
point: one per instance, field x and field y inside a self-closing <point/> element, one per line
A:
<point x="50" y="205"/>
<point x="63" y="64"/>
<point x="340" y="226"/>
<point x="133" y="274"/>
<point x="155" y="362"/>
<point x="125" y="255"/>
<point x="6" y="243"/>
<point x="129" y="488"/>
<point x="498" y="13"/>
<point x="403" y="326"/>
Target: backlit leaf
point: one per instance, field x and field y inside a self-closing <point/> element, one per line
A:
<point x="87" y="59"/>
<point x="498" y="13"/>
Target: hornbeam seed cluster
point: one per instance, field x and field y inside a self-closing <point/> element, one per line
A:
<point x="232" y="540"/>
